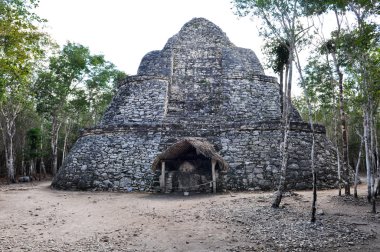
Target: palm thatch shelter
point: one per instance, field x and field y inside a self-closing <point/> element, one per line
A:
<point x="192" y="162"/>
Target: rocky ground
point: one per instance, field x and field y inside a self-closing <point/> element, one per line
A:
<point x="35" y="218"/>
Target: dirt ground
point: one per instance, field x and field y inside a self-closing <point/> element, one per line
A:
<point x="34" y="217"/>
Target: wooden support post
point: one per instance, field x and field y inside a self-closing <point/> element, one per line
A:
<point x="162" y="177"/>
<point x="213" y="163"/>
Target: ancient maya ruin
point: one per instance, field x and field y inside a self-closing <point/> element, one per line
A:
<point x="200" y="115"/>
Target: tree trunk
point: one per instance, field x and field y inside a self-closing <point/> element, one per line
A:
<point x="373" y="157"/>
<point x="376" y="151"/>
<point x="42" y="164"/>
<point x="367" y="153"/>
<point x="314" y="201"/>
<point x="54" y="144"/>
<point x="9" y="153"/>
<point x="373" y="194"/>
<point x="338" y="159"/>
<point x="281" y="75"/>
<point x="42" y="167"/>
<point x="8" y="129"/>
<point x="31" y="168"/>
<point x="39" y="171"/>
<point x="343" y="125"/>
<point x="23" y="169"/>
<point x="67" y="131"/>
<point x="357" y="168"/>
<point x="10" y="161"/>
<point x="286" y="126"/>
<point x="314" y="174"/>
<point x="281" y="187"/>
<point x="284" y="100"/>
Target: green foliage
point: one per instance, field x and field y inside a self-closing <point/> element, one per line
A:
<point x="75" y="82"/>
<point x="21" y="44"/>
<point x="278" y="55"/>
<point x="319" y="81"/>
<point x="370" y="7"/>
<point x="355" y="46"/>
<point x="55" y="84"/>
<point x="72" y="86"/>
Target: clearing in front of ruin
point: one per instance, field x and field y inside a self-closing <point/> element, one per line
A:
<point x="35" y="218"/>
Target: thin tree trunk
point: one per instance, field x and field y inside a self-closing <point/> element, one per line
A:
<point x="281" y="187"/>
<point x="23" y="169"/>
<point x="338" y="159"/>
<point x="343" y="122"/>
<point x="8" y="131"/>
<point x="286" y="125"/>
<point x="373" y="158"/>
<point x="376" y="151"/>
<point x="42" y="167"/>
<point x="342" y="113"/>
<point x="332" y="82"/>
<point x="42" y="164"/>
<point x="314" y="201"/>
<point x="357" y="167"/>
<point x="281" y="75"/>
<point x="377" y="168"/>
<point x="39" y="171"/>
<point x="373" y="195"/>
<point x="345" y="162"/>
<point x="10" y="153"/>
<point x="67" y="131"/>
<point x="339" y="172"/>
<point x="367" y="154"/>
<point x="31" y="168"/>
<point x="54" y="144"/>
<point x="377" y="159"/>
<point x="284" y="100"/>
<point x="10" y="161"/>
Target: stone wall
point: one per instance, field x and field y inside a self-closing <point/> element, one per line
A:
<point x="111" y="160"/>
<point x="140" y="99"/>
<point x="120" y="158"/>
<point x="250" y="100"/>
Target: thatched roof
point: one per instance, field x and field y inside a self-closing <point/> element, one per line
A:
<point x="201" y="145"/>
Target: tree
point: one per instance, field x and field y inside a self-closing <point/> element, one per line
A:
<point x="20" y="48"/>
<point x="363" y="65"/>
<point x="282" y="21"/>
<point x="331" y="47"/>
<point x="34" y="143"/>
<point x="54" y="86"/>
<point x="354" y="47"/>
<point x="76" y="86"/>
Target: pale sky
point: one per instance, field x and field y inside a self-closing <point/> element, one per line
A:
<point x="125" y="30"/>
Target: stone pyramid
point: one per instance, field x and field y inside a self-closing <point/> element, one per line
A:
<point x="198" y="86"/>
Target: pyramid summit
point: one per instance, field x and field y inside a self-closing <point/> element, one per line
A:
<point x="199" y="32"/>
<point x="200" y="35"/>
<point x="200" y="115"/>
